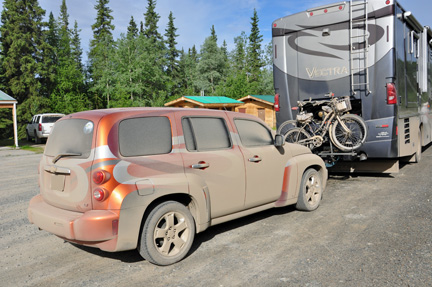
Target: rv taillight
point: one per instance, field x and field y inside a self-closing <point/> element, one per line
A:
<point x="391" y="94"/>
<point x="276" y="103"/>
<point x="40" y="127"/>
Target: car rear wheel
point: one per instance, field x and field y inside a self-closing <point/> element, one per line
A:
<point x="311" y="190"/>
<point x="168" y="234"/>
<point x="28" y="137"/>
<point x="38" y="140"/>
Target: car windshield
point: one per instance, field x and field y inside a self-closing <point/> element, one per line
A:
<point x="72" y="137"/>
<point x="50" y="119"/>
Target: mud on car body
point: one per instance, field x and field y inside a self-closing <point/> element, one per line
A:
<point x="151" y="178"/>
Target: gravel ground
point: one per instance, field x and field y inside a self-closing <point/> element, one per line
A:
<point x="371" y="230"/>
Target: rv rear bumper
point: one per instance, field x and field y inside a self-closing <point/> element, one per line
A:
<point x="91" y="226"/>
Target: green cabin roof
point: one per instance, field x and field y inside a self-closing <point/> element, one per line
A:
<point x="6" y="97"/>
<point x="213" y="100"/>
<point x="266" y="98"/>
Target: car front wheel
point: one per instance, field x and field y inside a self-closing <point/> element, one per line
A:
<point x="168" y="234"/>
<point x="311" y="190"/>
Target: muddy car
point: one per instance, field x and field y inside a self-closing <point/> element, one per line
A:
<point x="151" y="178"/>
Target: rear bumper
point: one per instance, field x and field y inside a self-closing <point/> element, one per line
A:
<point x="43" y="134"/>
<point x="92" y="228"/>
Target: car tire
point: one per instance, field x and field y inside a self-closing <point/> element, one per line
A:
<point x="168" y="234"/>
<point x="38" y="140"/>
<point x="311" y="190"/>
<point x="28" y="137"/>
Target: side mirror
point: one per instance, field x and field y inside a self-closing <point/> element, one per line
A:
<point x="279" y="141"/>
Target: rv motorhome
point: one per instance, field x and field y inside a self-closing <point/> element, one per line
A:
<point x="374" y="51"/>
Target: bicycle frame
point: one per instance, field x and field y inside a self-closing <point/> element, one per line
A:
<point x="324" y="127"/>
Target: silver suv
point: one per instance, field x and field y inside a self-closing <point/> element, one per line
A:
<point x="40" y="126"/>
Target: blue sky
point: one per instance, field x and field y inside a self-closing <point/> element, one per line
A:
<point x="194" y="18"/>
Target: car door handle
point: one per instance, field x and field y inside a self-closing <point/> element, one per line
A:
<point x="255" y="158"/>
<point x="200" y="165"/>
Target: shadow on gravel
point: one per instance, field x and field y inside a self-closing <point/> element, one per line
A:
<point x="346" y="176"/>
<point x="210" y="233"/>
<point x="133" y="256"/>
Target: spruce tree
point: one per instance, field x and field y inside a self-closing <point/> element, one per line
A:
<point x="68" y="96"/>
<point x="172" y="53"/>
<point x="151" y="22"/>
<point x="21" y="37"/>
<point x="50" y="61"/>
<point x="132" y="30"/>
<point x="157" y="52"/>
<point x="76" y="49"/>
<point x="172" y="56"/>
<point x="213" y="34"/>
<point x="101" y="46"/>
<point x="254" y="50"/>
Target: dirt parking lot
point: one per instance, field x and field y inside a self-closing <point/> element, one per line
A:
<point x="373" y="230"/>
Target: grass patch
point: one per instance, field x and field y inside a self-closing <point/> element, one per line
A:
<point x="35" y="149"/>
<point x="22" y="144"/>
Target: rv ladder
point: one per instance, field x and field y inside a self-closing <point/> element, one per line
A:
<point x="359" y="46"/>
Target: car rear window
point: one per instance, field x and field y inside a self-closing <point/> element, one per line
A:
<point x="50" y="119"/>
<point x="201" y="133"/>
<point x="71" y="136"/>
<point x="145" y="136"/>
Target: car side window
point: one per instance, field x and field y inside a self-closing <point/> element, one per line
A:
<point x="253" y="133"/>
<point x="145" y="136"/>
<point x="204" y="133"/>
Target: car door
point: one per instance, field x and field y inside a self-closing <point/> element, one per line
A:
<point x="33" y="125"/>
<point x="213" y="163"/>
<point x="265" y="164"/>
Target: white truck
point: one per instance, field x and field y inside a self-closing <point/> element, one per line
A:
<point x="40" y="126"/>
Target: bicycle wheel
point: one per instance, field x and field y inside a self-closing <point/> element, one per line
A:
<point x="297" y="135"/>
<point x="351" y="140"/>
<point x="286" y="126"/>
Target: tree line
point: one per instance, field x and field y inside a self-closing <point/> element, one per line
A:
<point x="41" y="63"/>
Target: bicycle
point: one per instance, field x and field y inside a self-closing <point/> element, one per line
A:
<point x="346" y="131"/>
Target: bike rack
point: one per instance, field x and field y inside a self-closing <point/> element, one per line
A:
<point x="332" y="153"/>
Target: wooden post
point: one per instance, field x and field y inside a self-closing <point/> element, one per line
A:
<point x="14" y="115"/>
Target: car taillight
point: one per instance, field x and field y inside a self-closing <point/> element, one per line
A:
<point x="276" y="103"/>
<point x="391" y="94"/>
<point x="40" y="127"/>
<point x="100" y="176"/>
<point x="99" y="194"/>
